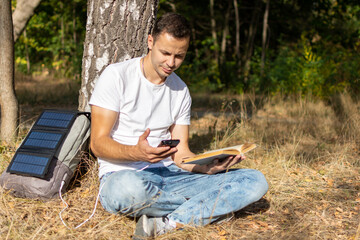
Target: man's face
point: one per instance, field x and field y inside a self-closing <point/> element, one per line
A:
<point x="167" y="53"/>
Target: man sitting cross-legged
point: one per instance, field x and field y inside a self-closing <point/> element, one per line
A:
<point x="135" y="105"/>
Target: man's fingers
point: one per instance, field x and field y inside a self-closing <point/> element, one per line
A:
<point x="219" y="166"/>
<point x="145" y="134"/>
<point x="159" y="153"/>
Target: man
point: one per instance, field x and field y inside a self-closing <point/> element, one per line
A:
<point x="135" y="105"/>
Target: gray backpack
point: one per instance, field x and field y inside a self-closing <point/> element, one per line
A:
<point x="61" y="165"/>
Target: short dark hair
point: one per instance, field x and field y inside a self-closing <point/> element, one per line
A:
<point x="173" y="24"/>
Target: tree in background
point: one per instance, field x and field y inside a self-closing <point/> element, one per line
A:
<point x="23" y="12"/>
<point x="11" y="27"/>
<point x="115" y="32"/>
<point x="8" y="101"/>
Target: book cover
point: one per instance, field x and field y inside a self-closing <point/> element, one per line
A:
<point x="208" y="157"/>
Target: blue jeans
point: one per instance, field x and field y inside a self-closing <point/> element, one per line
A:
<point x="184" y="197"/>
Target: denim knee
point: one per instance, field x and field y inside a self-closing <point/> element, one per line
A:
<point x="259" y="184"/>
<point x="125" y="192"/>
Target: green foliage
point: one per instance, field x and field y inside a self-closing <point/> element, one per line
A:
<point x="54" y="39"/>
<point x="202" y="73"/>
<point x="313" y="46"/>
<point x="314" y="50"/>
<point x="320" y="70"/>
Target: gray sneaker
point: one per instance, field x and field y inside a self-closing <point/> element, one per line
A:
<point x="151" y="227"/>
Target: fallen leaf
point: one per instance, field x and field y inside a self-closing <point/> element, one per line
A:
<point x="263" y="224"/>
<point x="11" y="205"/>
<point x="330" y="182"/>
<point x="85" y="193"/>
<point x="339" y="210"/>
<point x="222" y="233"/>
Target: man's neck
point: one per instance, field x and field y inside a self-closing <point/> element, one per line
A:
<point x="148" y="71"/>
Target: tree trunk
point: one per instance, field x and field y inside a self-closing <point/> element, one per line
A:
<point x="27" y="53"/>
<point x="23" y="12"/>
<point x="62" y="29"/>
<point x="193" y="35"/>
<point x="74" y="50"/>
<point x="250" y="42"/>
<point x="115" y="31"/>
<point x="8" y="102"/>
<point x="237" y="33"/>
<point x="264" y="36"/>
<point x="225" y="34"/>
<point x="213" y="32"/>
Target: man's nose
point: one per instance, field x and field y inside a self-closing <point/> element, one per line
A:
<point x="171" y="61"/>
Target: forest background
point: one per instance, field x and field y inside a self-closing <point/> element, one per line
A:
<point x="307" y="47"/>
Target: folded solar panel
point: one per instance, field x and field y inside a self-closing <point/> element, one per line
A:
<point x="43" y="141"/>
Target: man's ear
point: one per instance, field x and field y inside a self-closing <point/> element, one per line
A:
<point x="150" y="42"/>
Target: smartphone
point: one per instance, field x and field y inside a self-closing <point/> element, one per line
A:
<point x="170" y="143"/>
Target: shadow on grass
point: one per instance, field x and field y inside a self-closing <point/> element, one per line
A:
<point x="255" y="208"/>
<point x="200" y="142"/>
<point x="86" y="165"/>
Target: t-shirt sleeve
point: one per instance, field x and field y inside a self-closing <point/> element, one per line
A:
<point x="107" y="91"/>
<point x="185" y="110"/>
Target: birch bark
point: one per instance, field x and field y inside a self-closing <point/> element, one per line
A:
<point x="116" y="30"/>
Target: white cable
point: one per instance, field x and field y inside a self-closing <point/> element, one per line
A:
<point x="139" y="170"/>
<point x="97" y="199"/>
<point x="67" y="205"/>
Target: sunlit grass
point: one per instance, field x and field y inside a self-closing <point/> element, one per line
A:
<point x="309" y="151"/>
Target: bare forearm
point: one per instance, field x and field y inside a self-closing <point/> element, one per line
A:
<point x="108" y="148"/>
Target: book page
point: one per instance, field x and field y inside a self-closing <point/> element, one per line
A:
<point x="247" y="147"/>
<point x="237" y="147"/>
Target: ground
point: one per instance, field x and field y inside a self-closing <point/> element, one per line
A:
<point x="309" y="151"/>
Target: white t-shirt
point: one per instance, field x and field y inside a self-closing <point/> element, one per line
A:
<point x="141" y="104"/>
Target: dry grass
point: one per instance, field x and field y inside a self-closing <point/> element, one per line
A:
<point x="309" y="152"/>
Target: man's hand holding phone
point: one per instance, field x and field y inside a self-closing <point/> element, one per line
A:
<point x="171" y="143"/>
<point x="147" y="153"/>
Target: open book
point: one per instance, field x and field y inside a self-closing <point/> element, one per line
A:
<point x="208" y="157"/>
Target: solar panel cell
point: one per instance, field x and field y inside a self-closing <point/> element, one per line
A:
<point x="31" y="159"/>
<point x="53" y="123"/>
<point x="30" y="164"/>
<point x="56" y="115"/>
<point x="43" y="139"/>
<point x="28" y="168"/>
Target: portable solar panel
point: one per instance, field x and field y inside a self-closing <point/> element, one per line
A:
<point x="43" y="141"/>
<point x="30" y="163"/>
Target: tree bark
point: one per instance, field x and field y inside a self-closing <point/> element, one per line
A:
<point x="264" y="36"/>
<point x="225" y="33"/>
<point x="237" y="33"/>
<point x="115" y="31"/>
<point x="27" y="53"/>
<point x="213" y="32"/>
<point x="250" y="41"/>
<point x="8" y="101"/>
<point x="22" y="14"/>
